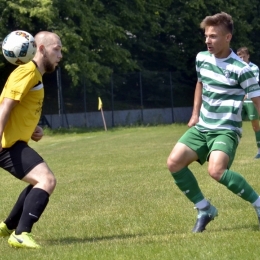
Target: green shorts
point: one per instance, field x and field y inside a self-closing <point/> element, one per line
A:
<point x="249" y="111"/>
<point x="203" y="143"/>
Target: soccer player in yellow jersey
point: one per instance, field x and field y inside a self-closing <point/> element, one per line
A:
<point x="20" y="110"/>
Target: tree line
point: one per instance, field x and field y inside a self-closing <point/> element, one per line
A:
<point x="101" y="37"/>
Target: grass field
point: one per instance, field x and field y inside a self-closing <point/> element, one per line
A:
<point x="115" y="199"/>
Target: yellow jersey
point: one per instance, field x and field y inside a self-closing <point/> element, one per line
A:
<point x="24" y="85"/>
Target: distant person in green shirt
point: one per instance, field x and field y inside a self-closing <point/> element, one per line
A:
<point x="249" y="109"/>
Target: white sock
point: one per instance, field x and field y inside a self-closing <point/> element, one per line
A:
<point x="202" y="204"/>
<point x="258" y="151"/>
<point x="256" y="203"/>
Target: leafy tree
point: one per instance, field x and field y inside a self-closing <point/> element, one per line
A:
<point x="101" y="37"/>
<point x="31" y="16"/>
<point x="92" y="42"/>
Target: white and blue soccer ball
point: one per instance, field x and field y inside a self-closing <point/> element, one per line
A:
<point x="19" y="47"/>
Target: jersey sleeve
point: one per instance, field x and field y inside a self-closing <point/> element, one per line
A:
<point x="249" y="82"/>
<point x="19" y="83"/>
<point x="197" y="62"/>
<point x="257" y="73"/>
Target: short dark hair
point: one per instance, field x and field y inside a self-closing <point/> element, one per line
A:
<point x="243" y="50"/>
<point x="220" y="19"/>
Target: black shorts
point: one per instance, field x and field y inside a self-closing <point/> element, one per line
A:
<point x="19" y="159"/>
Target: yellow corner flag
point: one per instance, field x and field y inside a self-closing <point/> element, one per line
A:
<point x="101" y="110"/>
<point x="99" y="103"/>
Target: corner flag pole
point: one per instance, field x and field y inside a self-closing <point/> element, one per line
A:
<point x="101" y="110"/>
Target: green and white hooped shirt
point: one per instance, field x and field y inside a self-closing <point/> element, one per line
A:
<point x="255" y="70"/>
<point x="225" y="83"/>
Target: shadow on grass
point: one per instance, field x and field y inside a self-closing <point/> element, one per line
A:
<point x="73" y="240"/>
<point x="226" y="229"/>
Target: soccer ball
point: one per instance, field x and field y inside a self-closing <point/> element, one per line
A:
<point x="19" y="47"/>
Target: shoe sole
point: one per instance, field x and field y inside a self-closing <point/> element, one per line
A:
<point x="22" y="246"/>
<point x="17" y="245"/>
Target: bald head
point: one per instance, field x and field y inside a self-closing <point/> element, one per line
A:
<point x="46" y="38"/>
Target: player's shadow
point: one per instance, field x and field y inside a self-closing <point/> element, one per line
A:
<point x="73" y="240"/>
<point x="248" y="227"/>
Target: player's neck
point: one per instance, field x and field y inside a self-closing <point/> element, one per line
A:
<point x="39" y="66"/>
<point x="223" y="54"/>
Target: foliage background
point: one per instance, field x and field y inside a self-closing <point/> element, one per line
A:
<point x="102" y="37"/>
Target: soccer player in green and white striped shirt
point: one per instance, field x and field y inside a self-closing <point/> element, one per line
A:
<point x="215" y="124"/>
<point x="249" y="109"/>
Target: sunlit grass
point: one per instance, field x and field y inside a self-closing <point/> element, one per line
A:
<point x="115" y="199"/>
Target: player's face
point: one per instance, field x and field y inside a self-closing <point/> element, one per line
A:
<point x="243" y="56"/>
<point x="52" y="55"/>
<point x="217" y="41"/>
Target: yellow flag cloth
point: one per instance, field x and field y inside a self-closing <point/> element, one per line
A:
<point x="99" y="103"/>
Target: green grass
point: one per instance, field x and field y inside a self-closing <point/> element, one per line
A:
<point x="115" y="199"/>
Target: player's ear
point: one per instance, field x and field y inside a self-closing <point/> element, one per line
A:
<point x="228" y="37"/>
<point x="42" y="49"/>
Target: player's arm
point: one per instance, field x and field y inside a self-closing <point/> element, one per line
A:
<point x="5" y="110"/>
<point x="37" y="134"/>
<point x="257" y="74"/>
<point x="256" y="101"/>
<point x="196" y="105"/>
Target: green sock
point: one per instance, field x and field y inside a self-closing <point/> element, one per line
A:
<point x="238" y="185"/>
<point x="257" y="138"/>
<point x="188" y="184"/>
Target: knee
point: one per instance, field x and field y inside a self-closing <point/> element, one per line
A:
<point x="256" y="128"/>
<point x="51" y="182"/>
<point x="47" y="182"/>
<point x="255" y="125"/>
<point x="215" y="173"/>
<point x="172" y="163"/>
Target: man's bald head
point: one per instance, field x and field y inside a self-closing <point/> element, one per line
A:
<point x="46" y="38"/>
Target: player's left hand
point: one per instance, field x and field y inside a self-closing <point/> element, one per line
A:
<point x="37" y="134"/>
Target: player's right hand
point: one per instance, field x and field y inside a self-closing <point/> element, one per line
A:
<point x="193" y="121"/>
